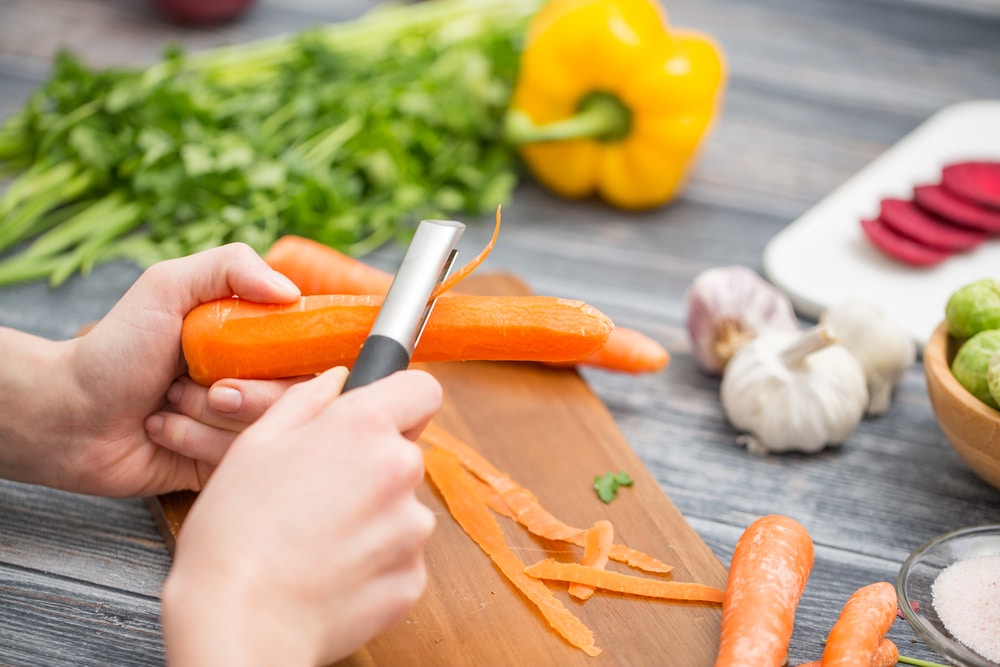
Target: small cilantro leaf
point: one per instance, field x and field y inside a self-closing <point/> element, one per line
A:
<point x="607" y="485"/>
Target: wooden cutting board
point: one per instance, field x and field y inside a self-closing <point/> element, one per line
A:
<point x="546" y="428"/>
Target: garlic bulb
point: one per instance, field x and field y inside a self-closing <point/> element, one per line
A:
<point x="729" y="305"/>
<point x="884" y="349"/>
<point x="794" y="391"/>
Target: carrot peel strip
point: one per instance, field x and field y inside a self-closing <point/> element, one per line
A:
<point x="624" y="583"/>
<point x="596" y="549"/>
<point x="463" y="272"/>
<point x="459" y="493"/>
<point x="527" y="509"/>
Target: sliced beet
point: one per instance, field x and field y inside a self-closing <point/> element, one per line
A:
<point x="900" y="247"/>
<point x="910" y="220"/>
<point x="941" y="202"/>
<point x="976" y="181"/>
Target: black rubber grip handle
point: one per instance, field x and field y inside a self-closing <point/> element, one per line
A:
<point x="380" y="357"/>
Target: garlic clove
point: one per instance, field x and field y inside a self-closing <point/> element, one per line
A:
<point x="886" y="351"/>
<point x="727" y="306"/>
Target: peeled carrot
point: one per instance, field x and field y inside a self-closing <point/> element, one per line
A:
<point x="866" y="617"/>
<point x="596" y="549"/>
<point x="526" y="508"/>
<point x="240" y="339"/>
<point x="459" y="494"/>
<point x="624" y="583"/>
<point x="319" y="269"/>
<point x="767" y="575"/>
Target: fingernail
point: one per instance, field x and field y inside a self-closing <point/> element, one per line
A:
<point x="225" y="399"/>
<point x="154" y="425"/>
<point x="282" y="282"/>
<point x="175" y="392"/>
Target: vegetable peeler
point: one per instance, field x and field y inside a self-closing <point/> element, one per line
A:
<point x="407" y="305"/>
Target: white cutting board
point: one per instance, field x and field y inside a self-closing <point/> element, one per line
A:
<point x="823" y="257"/>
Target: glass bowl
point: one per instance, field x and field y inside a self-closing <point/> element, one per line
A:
<point x="917" y="575"/>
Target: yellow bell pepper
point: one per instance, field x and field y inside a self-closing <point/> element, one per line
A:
<point x="610" y="101"/>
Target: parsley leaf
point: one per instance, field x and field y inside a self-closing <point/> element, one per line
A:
<point x="607" y="485"/>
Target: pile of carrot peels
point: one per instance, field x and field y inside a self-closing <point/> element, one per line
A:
<point x="474" y="491"/>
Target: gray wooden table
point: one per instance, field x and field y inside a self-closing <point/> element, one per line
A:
<point x="818" y="89"/>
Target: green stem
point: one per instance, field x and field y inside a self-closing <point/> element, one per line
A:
<point x="919" y="663"/>
<point x="377" y="28"/>
<point x="600" y="116"/>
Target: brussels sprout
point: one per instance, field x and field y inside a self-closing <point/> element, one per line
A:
<point x="973" y="308"/>
<point x="971" y="363"/>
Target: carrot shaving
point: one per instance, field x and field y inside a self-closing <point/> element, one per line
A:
<point x="527" y="509"/>
<point x="624" y="583"/>
<point x="463" y="272"/>
<point x="597" y="546"/>
<point x="456" y="487"/>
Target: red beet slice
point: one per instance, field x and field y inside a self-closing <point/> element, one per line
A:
<point x="941" y="202"/>
<point x="976" y="181"/>
<point x="900" y="247"/>
<point x="910" y="220"/>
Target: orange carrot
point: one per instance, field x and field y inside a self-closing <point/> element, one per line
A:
<point x="886" y="655"/>
<point x="767" y="575"/>
<point x="624" y="583"/>
<point x="236" y="338"/>
<point x="527" y="509"/>
<point x="319" y="269"/>
<point x="596" y="549"/>
<point x="866" y="617"/>
<point x="627" y="351"/>
<point x="459" y="494"/>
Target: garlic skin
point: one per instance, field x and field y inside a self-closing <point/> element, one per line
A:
<point x="884" y="349"/>
<point x="794" y="392"/>
<point x="726" y="307"/>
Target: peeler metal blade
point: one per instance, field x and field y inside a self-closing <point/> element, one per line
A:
<point x="407" y="305"/>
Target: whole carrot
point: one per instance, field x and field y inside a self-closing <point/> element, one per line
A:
<point x="886" y="655"/>
<point x="240" y="339"/>
<point x="866" y="617"/>
<point x="767" y="575"/>
<point x="319" y="269"/>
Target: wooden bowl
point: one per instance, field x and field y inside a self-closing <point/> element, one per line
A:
<point x="971" y="426"/>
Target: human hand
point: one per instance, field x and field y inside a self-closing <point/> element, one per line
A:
<point x="122" y="370"/>
<point x="308" y="539"/>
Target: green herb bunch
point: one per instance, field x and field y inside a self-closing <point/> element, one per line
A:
<point x="349" y="134"/>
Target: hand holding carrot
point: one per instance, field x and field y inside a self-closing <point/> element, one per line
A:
<point x="107" y="413"/>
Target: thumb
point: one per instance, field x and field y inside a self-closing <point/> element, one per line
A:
<point x="232" y="269"/>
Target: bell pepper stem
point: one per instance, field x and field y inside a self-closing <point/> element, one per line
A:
<point x="600" y="116"/>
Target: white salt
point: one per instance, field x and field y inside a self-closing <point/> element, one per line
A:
<point x="967" y="600"/>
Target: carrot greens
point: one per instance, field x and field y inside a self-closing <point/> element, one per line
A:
<point x="348" y="133"/>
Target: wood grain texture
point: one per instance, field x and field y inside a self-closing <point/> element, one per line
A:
<point x="818" y="88"/>
<point x="547" y="429"/>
